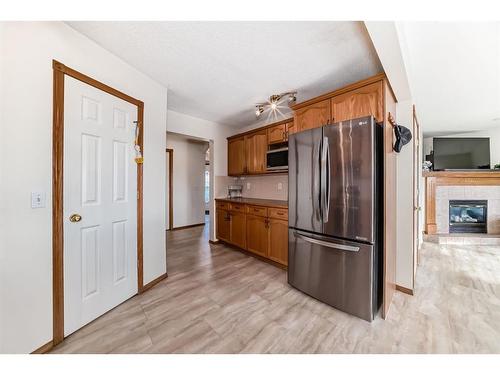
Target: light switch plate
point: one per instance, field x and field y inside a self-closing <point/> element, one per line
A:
<point x="280" y="186"/>
<point x="37" y="199"/>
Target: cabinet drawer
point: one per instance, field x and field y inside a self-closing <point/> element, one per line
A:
<point x="278" y="213"/>
<point x="240" y="207"/>
<point x="257" y="210"/>
<point x="222" y="205"/>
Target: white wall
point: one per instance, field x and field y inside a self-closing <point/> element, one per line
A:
<point x="404" y="257"/>
<point x="27" y="50"/>
<point x="195" y="127"/>
<point x="188" y="181"/>
<point x="493" y="134"/>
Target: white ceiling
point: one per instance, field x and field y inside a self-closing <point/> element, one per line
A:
<point x="454" y="74"/>
<point x="218" y="70"/>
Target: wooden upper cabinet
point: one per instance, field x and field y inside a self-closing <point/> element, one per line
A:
<point x="364" y="101"/>
<point x="312" y="116"/>
<point x="278" y="241"/>
<point x="238" y="229"/>
<point x="236" y="164"/>
<point x="276" y="134"/>
<point x="290" y="128"/>
<point x="255" y="152"/>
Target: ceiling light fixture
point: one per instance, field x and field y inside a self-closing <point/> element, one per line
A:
<point x="274" y="102"/>
<point x="258" y="111"/>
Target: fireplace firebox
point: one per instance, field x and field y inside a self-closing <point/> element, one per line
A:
<point x="468" y="216"/>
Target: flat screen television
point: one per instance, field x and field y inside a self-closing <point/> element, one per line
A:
<point x="461" y="153"/>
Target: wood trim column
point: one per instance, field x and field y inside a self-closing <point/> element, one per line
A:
<point x="140" y="201"/>
<point x="430" y="205"/>
<point x="57" y="206"/>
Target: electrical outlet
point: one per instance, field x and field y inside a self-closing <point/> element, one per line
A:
<point x="37" y="199"/>
<point x="248" y="185"/>
<point x="280" y="186"/>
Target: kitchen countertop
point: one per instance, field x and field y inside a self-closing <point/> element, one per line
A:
<point x="257" y="202"/>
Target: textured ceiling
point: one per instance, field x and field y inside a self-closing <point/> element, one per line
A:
<point x="218" y="70"/>
<point x="454" y="70"/>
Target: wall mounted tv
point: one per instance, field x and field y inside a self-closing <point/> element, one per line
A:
<point x="461" y="153"/>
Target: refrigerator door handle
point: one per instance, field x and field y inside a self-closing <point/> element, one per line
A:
<point x="326" y="243"/>
<point x="327" y="172"/>
<point x="316" y="181"/>
<point x="325" y="165"/>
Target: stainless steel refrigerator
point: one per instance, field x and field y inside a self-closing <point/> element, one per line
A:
<point x="334" y="199"/>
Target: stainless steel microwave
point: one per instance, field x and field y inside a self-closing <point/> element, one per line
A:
<point x="277" y="159"/>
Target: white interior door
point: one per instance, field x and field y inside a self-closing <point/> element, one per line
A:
<point x="100" y="185"/>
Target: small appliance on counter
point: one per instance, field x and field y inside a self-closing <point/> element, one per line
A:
<point x="235" y="191"/>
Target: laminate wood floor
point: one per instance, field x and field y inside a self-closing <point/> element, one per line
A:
<point x="219" y="300"/>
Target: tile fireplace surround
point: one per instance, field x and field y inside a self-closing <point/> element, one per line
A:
<point x="441" y="187"/>
<point x="445" y="194"/>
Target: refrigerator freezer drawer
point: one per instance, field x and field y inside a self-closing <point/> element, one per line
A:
<point x="339" y="273"/>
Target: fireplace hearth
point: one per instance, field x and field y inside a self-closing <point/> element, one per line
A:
<point x="468" y="216"/>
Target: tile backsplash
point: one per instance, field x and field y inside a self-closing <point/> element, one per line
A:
<point x="264" y="187"/>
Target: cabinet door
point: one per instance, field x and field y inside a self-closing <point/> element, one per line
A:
<point x="312" y="116"/>
<point x="236" y="156"/>
<point x="257" y="235"/>
<point x="256" y="147"/>
<point x="361" y="102"/>
<point x="276" y="134"/>
<point x="290" y="128"/>
<point x="278" y="241"/>
<point x="223" y="225"/>
<point x="238" y="229"/>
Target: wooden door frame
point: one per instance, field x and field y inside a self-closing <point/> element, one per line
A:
<point x="170" y="153"/>
<point x="59" y="73"/>
<point x="416" y="197"/>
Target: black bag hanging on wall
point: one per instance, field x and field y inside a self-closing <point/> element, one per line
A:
<point x="403" y="137"/>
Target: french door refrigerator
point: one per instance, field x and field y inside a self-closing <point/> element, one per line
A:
<point x="334" y="236"/>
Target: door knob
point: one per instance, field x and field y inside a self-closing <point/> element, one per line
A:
<point x="75" y="218"/>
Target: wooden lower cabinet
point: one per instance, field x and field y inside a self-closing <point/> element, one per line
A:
<point x="238" y="229"/>
<point x="223" y="225"/>
<point x="258" y="229"/>
<point x="278" y="241"/>
<point x="257" y="235"/>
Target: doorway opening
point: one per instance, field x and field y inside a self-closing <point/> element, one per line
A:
<point x="188" y="176"/>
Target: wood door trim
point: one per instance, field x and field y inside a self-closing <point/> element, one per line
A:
<point x="170" y="153"/>
<point x="189" y="226"/>
<point x="59" y="72"/>
<point x="402" y="289"/>
<point x="416" y="200"/>
<point x="45" y="348"/>
<point x="152" y="283"/>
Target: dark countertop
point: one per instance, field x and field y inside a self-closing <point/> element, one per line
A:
<point x="257" y="202"/>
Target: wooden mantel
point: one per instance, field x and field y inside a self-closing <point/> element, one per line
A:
<point x="451" y="178"/>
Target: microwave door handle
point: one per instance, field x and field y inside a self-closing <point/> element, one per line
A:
<point x="331" y="245"/>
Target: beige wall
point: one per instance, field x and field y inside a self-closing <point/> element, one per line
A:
<point x="405" y="236"/>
